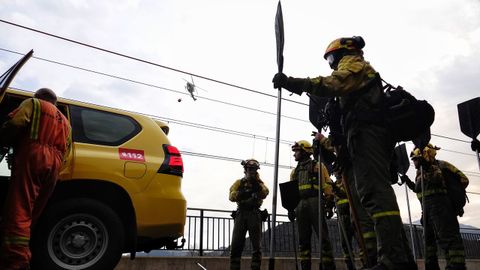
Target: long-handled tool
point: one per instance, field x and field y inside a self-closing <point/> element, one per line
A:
<point x="345" y="237"/>
<point x="279" y="33"/>
<point x="320" y="207"/>
<point x="356" y="221"/>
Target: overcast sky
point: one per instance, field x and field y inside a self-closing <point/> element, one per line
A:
<point x="429" y="47"/>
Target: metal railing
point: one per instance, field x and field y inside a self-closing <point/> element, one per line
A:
<point x="208" y="232"/>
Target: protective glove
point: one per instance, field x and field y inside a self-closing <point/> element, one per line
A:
<point x="279" y="80"/>
<point x="405" y="179"/>
<point x="475" y="145"/>
<point x="291" y="215"/>
<point x="294" y="85"/>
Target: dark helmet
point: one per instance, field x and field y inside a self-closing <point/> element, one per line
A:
<point x="46" y="94"/>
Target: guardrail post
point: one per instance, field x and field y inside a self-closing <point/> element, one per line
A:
<point x="201" y="233"/>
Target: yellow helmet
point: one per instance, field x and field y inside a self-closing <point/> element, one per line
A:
<point x="250" y="163"/>
<point x="349" y="44"/>
<point x="429" y="153"/>
<point x="304" y="145"/>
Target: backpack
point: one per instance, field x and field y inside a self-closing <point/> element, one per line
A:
<point x="406" y="117"/>
<point x="455" y="190"/>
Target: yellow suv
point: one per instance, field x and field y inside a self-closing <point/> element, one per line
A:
<point x="120" y="191"/>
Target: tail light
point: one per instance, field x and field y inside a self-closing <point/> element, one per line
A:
<point x="173" y="163"/>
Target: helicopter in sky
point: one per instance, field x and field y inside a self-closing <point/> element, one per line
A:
<point x="192" y="89"/>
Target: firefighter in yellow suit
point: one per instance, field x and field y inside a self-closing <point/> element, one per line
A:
<point x="357" y="86"/>
<point x="442" y="226"/>
<point x="248" y="193"/>
<point x="306" y="212"/>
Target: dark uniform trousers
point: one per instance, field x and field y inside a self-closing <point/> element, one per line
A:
<point x="366" y="225"/>
<point x="371" y="150"/>
<point x="442" y="226"/>
<point x="307" y="217"/>
<point x="251" y="221"/>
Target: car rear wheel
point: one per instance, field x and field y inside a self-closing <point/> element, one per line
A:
<point x="78" y="234"/>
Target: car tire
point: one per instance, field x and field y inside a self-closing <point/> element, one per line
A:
<point x="78" y="234"/>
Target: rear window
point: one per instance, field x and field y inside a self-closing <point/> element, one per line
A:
<point x="99" y="127"/>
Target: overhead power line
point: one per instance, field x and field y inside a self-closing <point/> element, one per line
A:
<point x="458" y="152"/>
<point x="224" y="158"/>
<point x="450" y="138"/>
<point x="222" y="130"/>
<point x="232" y="159"/>
<point x="145" y="61"/>
<point x="153" y="85"/>
<point x="170" y="68"/>
<point x="209" y="99"/>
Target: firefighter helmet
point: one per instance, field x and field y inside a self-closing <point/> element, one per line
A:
<point x="428" y="153"/>
<point x="304" y="145"/>
<point x="349" y="44"/>
<point x="250" y="163"/>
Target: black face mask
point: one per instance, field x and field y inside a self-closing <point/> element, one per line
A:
<point x="332" y="61"/>
<point x="334" y="58"/>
